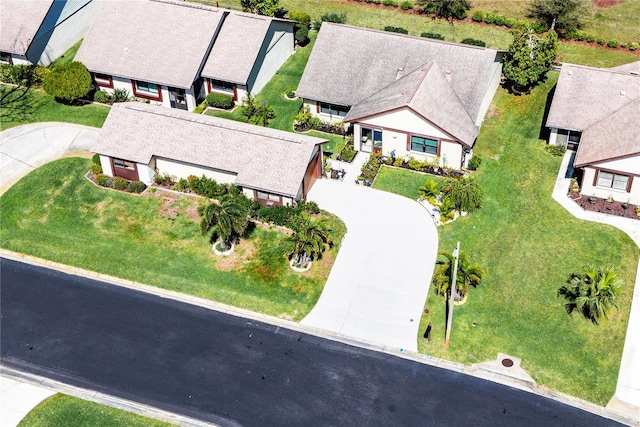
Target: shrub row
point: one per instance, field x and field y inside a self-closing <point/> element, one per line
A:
<point x="404" y="5"/>
<point x="120" y="183"/>
<point x="283" y="215"/>
<point x="23" y="75"/>
<point x="348" y="152"/>
<point x="304" y="121"/>
<point x="220" y="100"/>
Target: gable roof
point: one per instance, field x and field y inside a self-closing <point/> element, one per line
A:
<point x="263" y="158"/>
<point x="349" y="64"/>
<point x="150" y="40"/>
<point x="615" y="136"/>
<point x="427" y="92"/>
<point x="237" y="47"/>
<point x="632" y="67"/>
<point x="19" y="23"/>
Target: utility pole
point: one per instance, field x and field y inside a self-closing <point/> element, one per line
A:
<point x="451" y="297"/>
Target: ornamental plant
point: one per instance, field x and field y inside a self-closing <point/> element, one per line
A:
<point x="68" y="82"/>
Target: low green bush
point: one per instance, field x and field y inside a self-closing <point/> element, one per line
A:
<point x="278" y="215"/>
<point x="96" y="169"/>
<point x="489" y="18"/>
<point x="478" y="16"/>
<point x="348" y="153"/>
<point x="473" y="42"/>
<point x="633" y="46"/>
<point x="95" y="159"/>
<point x="393" y="3"/>
<point x="104" y="180"/>
<point x="220" y="100"/>
<point x="555" y="150"/>
<point x="475" y="162"/>
<point x="302" y="17"/>
<point x="623" y="45"/>
<point x="613" y="43"/>
<point x="398" y="30"/>
<point x="119" y="183"/>
<point x="136" y="187"/>
<point x="601" y="41"/>
<point x="310" y="207"/>
<point x="338" y="18"/>
<point x="23" y="75"/>
<point x="103" y="97"/>
<point x="500" y="20"/>
<point x="434" y="36"/>
<point x="589" y="38"/>
<point x="121" y="95"/>
<point x="201" y="107"/>
<point x="163" y="179"/>
<point x="406" y="5"/>
<point x="302" y="35"/>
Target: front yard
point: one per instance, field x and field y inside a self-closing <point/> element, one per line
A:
<point x="56" y="214"/>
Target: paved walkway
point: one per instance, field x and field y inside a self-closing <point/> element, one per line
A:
<point x="627" y="397"/>
<point x="17" y="399"/>
<point x="25" y="148"/>
<point x="378" y="285"/>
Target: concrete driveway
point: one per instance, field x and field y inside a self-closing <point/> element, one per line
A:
<point x="25" y="148"/>
<point x="378" y="285"/>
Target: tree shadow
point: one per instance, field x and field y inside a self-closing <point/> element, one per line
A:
<point x="544" y="131"/>
<point x="16" y="105"/>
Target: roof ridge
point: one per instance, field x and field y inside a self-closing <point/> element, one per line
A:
<point x="425" y="69"/>
<point x="604" y="70"/>
<point x="190" y="4"/>
<point x="631" y="101"/>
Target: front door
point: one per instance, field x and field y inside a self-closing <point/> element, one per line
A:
<point x="178" y="98"/>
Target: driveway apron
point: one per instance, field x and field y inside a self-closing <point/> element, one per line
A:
<point x="378" y="285"/>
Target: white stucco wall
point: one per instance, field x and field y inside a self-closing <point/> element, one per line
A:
<point x="276" y="49"/>
<point x="127" y="84"/>
<point x="184" y="170"/>
<point x="241" y="91"/>
<point x="490" y="91"/>
<point x="19" y="59"/>
<point x="588" y="189"/>
<point x="313" y="108"/>
<point x="553" y="134"/>
<point x="146" y="173"/>
<point x="105" y="162"/>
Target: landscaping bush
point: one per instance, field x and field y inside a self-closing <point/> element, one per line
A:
<point x="103" y="180"/>
<point x="464" y="192"/>
<point x="310" y="207"/>
<point x="290" y="93"/>
<point x="204" y="186"/>
<point x="373" y="1"/>
<point x="220" y="100"/>
<point x="398" y="30"/>
<point x="302" y="35"/>
<point x="200" y="107"/>
<point x="95" y="159"/>
<point x="489" y="18"/>
<point x="473" y="42"/>
<point x="600" y="41"/>
<point x="434" y="36"/>
<point x="119" y="183"/>
<point x="478" y="16"/>
<point x="623" y="45"/>
<point x="370" y="169"/>
<point x="96" y="169"/>
<point x="278" y="215"/>
<point x="393" y="3"/>
<point x="555" y="150"/>
<point x="103" y="97"/>
<point x="633" y="46"/>
<point x="302" y="17"/>
<point x="348" y="153"/>
<point x="68" y="82"/>
<point x="163" y="179"/>
<point x="613" y="43"/>
<point x="338" y="18"/>
<point x="406" y="5"/>
<point x="589" y="38"/>
<point x="23" y="75"/>
<point x="136" y="187"/>
<point x="499" y="20"/>
<point x="475" y="162"/>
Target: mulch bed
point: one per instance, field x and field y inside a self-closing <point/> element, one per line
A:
<point x="596" y="204"/>
<point x="606" y="3"/>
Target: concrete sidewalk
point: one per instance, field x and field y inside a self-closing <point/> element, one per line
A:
<point x="627" y="397"/>
<point x="17" y="399"/>
<point x="25" y="148"/>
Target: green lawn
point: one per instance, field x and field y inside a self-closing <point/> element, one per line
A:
<point x="20" y="106"/>
<point x="68" y="56"/>
<point x="401" y="181"/>
<point x="594" y="56"/>
<point x="56" y="214"/>
<point x="63" y="410"/>
<point x="528" y="244"/>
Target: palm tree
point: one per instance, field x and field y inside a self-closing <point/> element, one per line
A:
<point x="309" y="238"/>
<point x="468" y="274"/>
<point x="228" y="219"/>
<point x="429" y="189"/>
<point x="591" y="293"/>
<point x="464" y="192"/>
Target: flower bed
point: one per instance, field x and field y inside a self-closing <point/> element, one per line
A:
<point x="596" y="204"/>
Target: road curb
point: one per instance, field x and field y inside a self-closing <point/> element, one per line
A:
<point x="275" y="321"/>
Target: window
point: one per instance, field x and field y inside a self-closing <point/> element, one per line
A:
<point x="612" y="180"/>
<point x="6" y="58"/>
<point x="568" y="138"/>
<point x="268" y="196"/>
<point x="334" y="110"/>
<point x="220" y="86"/>
<point x="103" y="80"/>
<point x="147" y="87"/>
<point x="119" y="163"/>
<point x="147" y="90"/>
<point x="424" y="145"/>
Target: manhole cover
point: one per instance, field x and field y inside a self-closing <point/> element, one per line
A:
<point x="507" y="363"/>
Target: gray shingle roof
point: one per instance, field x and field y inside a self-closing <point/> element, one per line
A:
<point x="161" y="42"/>
<point x="349" y="64"/>
<point x="19" y="23"/>
<point x="262" y="158"/>
<point x="236" y="48"/>
<point x="427" y="92"/>
<point x="633" y="67"/>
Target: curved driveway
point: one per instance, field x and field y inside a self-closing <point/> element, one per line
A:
<point x="378" y="285"/>
<point x="25" y="148"/>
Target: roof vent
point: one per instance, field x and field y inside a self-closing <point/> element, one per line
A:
<point x="126" y="50"/>
<point x="623" y="93"/>
<point x="448" y="71"/>
<point x="399" y="72"/>
<point x="570" y="72"/>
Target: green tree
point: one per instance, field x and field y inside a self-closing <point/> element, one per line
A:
<point x="68" y="82"/>
<point x="529" y="58"/>
<point x="257" y="114"/>
<point x="561" y="16"/>
<point x="309" y="238"/>
<point x="228" y="219"/>
<point x="464" y="192"/>
<point x="468" y="275"/>
<point x="448" y="9"/>
<point x="592" y="292"/>
<point x="261" y="7"/>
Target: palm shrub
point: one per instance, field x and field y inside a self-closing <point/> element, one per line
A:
<point x="464" y="192"/>
<point x="592" y="292"/>
<point x="430" y="189"/>
<point x="468" y="275"/>
<point x="68" y="82"/>
<point x="308" y="239"/>
<point x="120" y="95"/>
<point x="227" y="219"/>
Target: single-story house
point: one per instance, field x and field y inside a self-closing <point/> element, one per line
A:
<point x="40" y="31"/>
<point x="164" y="62"/>
<point x="414" y="96"/>
<point x="274" y="167"/>
<point x="596" y="112"/>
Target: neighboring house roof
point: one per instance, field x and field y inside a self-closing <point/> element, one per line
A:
<point x="633" y="67"/>
<point x="427" y="92"/>
<point x="161" y="42"/>
<point x="349" y="64"/>
<point x="603" y="105"/>
<point x="262" y="158"/>
<point x="19" y="23"/>
<point x="237" y="47"/>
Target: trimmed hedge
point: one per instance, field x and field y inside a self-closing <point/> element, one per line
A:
<point x="434" y="36"/>
<point x="398" y="30"/>
<point x="474" y="42"/>
<point x="220" y="100"/>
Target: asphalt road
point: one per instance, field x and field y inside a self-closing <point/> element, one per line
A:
<point x="234" y="371"/>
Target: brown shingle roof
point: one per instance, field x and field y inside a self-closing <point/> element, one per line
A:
<point x="161" y="42"/>
<point x="236" y="48"/>
<point x="349" y="64"/>
<point x="19" y="23"/>
<point x="262" y="158"/>
<point x="427" y="92"/>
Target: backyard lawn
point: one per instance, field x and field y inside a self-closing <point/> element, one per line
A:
<point x="19" y="106"/>
<point x="528" y="244"/>
<point x="55" y="213"/>
<point x="63" y="410"/>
